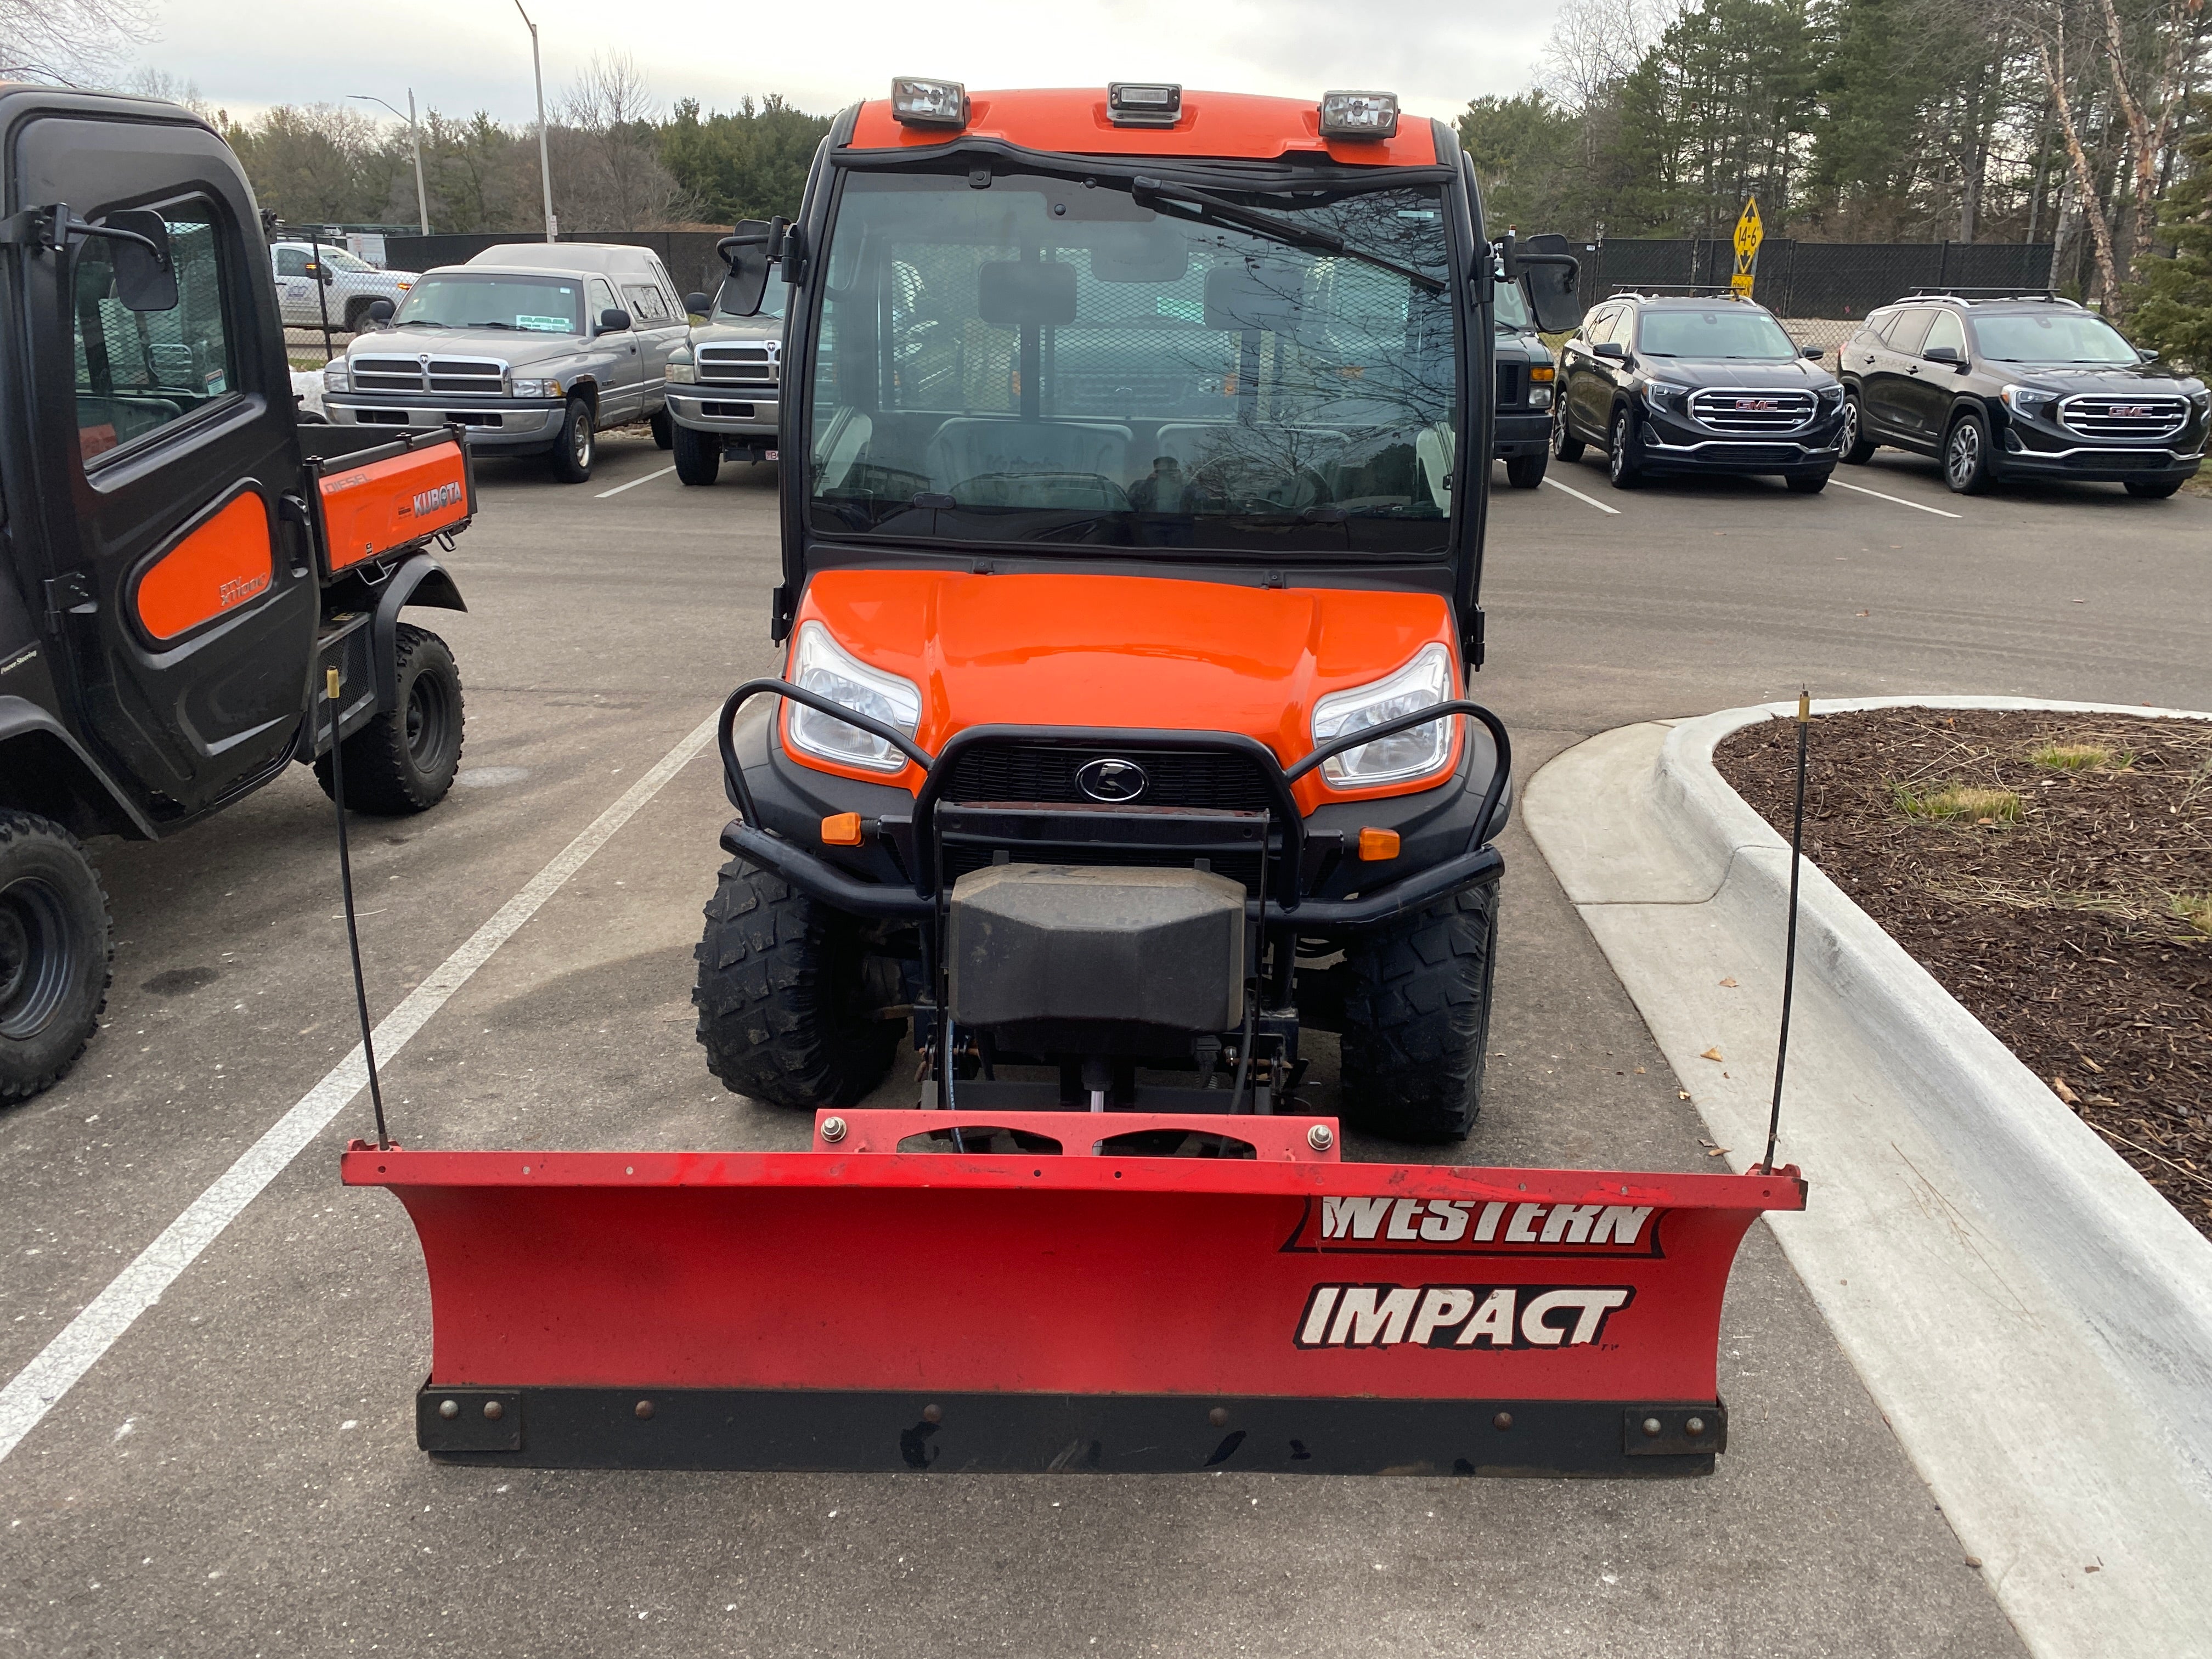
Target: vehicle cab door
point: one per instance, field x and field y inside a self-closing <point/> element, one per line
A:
<point x="180" y="607"/>
<point x="1887" y="404"/>
<point x="295" y="295"/>
<point x="621" y="388"/>
<point x="1588" y="390"/>
<point x="1927" y="387"/>
<point x="659" y="326"/>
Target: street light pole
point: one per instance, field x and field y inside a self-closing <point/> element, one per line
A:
<point x="415" y="134"/>
<point x="544" y="166"/>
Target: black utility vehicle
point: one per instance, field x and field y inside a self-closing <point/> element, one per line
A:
<point x="182" y="566"/>
<point x="2012" y="385"/>
<point x="1523" y="433"/>
<point x="1698" y="382"/>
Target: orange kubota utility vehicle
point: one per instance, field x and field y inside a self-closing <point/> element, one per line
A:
<point x="1137" y="446"/>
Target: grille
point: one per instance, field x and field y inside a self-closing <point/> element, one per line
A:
<point x="386" y="375"/>
<point x="1748" y="454"/>
<point x="2120" y="460"/>
<point x="1727" y="410"/>
<point x="465" y="375"/>
<point x="2101" y="415"/>
<point x="740" y="365"/>
<point x="1512" y="385"/>
<point x="1011" y="772"/>
<point x="962" y="857"/>
<point x="443" y="375"/>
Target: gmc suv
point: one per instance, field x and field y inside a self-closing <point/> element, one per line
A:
<point x="2009" y="385"/>
<point x="1695" y="383"/>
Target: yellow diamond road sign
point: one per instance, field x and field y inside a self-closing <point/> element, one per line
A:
<point x="1749" y="233"/>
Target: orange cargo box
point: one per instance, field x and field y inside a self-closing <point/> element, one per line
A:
<point x="394" y="496"/>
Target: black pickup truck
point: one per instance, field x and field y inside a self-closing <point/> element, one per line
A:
<point x="182" y="564"/>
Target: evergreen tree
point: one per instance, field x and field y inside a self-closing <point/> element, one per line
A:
<point x="2173" y="304"/>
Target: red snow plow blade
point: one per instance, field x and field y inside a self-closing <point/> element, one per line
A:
<point x="857" y="1307"/>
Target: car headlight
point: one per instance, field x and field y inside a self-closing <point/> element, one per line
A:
<point x="334" y="375"/>
<point x="537" y="388"/>
<point x="824" y="667"/>
<point x="1539" y="397"/>
<point x="680" y="368"/>
<point x="1829" y="395"/>
<point x="1662" y="394"/>
<point x="1413" y="753"/>
<point x="2027" y="402"/>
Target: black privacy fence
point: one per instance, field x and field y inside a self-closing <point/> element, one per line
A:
<point x="689" y="254"/>
<point x="1816" y="279"/>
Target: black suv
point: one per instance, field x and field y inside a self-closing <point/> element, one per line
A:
<point x="2019" y="386"/>
<point x="1695" y="383"/>
<point x="1524" y="369"/>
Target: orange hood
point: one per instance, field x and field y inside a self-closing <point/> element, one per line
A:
<point x="1123" y="651"/>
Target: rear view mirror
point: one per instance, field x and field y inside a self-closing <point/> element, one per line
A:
<point x="1550" y="277"/>
<point x="698" y="305"/>
<point x="1239" y="296"/>
<point x="1156" y="252"/>
<point x="749" y="251"/>
<point x="613" y="320"/>
<point x="1011" y="295"/>
<point x="145" y="269"/>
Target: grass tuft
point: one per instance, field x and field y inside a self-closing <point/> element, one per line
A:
<point x="1957" y="802"/>
<point x="2071" y="756"/>
<point x="2196" y="909"/>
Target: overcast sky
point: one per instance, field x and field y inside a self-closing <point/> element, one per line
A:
<point x="465" y="55"/>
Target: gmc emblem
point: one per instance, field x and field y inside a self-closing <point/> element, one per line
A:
<point x="2130" y="411"/>
<point x="1756" y="402"/>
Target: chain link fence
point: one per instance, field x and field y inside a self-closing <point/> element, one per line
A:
<point x="1826" y="280"/>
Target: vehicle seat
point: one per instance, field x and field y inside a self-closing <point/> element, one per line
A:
<point x="975" y="446"/>
<point x="1275" y="463"/>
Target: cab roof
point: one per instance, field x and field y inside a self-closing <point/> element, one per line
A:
<point x="1215" y="124"/>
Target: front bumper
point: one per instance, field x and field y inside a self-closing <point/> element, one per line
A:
<point x="1671" y="443"/>
<point x="488" y="425"/>
<point x="1519" y="434"/>
<point x="2030" y="451"/>
<point x="731" y="410"/>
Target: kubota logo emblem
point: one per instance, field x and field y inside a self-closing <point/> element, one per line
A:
<point x="432" y="501"/>
<point x="1112" y="781"/>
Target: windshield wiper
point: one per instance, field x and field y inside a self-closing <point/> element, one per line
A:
<point x="1148" y="193"/>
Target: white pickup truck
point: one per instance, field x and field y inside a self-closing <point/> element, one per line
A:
<point x="349" y="285"/>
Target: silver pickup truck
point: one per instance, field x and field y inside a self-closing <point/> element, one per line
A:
<point x="723" y="387"/>
<point x="533" y="347"/>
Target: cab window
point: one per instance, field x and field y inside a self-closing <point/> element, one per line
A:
<point x="603" y="299"/>
<point x="1910" y="328"/>
<point x="291" y="262"/>
<point x="645" y="303"/>
<point x="138" y="372"/>
<point x="1946" y="331"/>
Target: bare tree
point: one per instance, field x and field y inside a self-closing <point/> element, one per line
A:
<point x="610" y="178"/>
<point x="77" y="42"/>
<point x="1594" y="44"/>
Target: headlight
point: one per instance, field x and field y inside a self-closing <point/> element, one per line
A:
<point x="826" y="667"/>
<point x="1662" y="394"/>
<point x="334" y="375"/>
<point x="679" y="367"/>
<point x="1539" y="397"/>
<point x="2026" y="402"/>
<point x="1413" y="753"/>
<point x="1830" y="394"/>
<point x="536" y="388"/>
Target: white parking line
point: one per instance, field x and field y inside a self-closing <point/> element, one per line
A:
<point x="634" y="484"/>
<point x="33" y="1391"/>
<point x="1579" y="496"/>
<point x="1900" y="500"/>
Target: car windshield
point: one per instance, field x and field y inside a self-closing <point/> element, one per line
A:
<point x="1048" y="361"/>
<point x="538" y="304"/>
<point x="1723" y="332"/>
<point x="1512" y="308"/>
<point x="2060" y="337"/>
<point x="771" y="305"/>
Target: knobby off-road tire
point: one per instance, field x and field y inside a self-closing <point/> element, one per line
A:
<point x="784" y="1008"/>
<point x="56" y="946"/>
<point x="1526" y="472"/>
<point x="578" y="449"/>
<point x="698" y="455"/>
<point x="404" y="761"/>
<point x="1417" y="1020"/>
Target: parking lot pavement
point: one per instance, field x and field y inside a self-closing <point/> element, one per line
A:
<point x="237" y="1472"/>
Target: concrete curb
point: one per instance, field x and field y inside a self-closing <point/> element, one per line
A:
<point x="2034" y="1320"/>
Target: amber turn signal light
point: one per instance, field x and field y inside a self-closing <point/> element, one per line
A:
<point x="1373" y="844"/>
<point x="843" y="830"/>
<point x="1541" y="372"/>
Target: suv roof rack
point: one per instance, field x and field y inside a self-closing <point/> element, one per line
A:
<point x="1981" y="296"/>
<point x="1677" y="291"/>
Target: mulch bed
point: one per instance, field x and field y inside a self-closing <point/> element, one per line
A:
<point x="2080" y="932"/>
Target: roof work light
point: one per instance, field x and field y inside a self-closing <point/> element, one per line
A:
<point x="1360" y="115"/>
<point x="1133" y="104"/>
<point x="916" y="102"/>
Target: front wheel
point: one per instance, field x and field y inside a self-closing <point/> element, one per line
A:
<point x="55" y="947"/>
<point x="662" y="426"/>
<point x="1565" y="446"/>
<point x="698" y="455"/>
<point x="1806" y="483"/>
<point x="1526" y="472"/>
<point x="788" y="1012"/>
<point x="405" y="759"/>
<point x="1622" y="468"/>
<point x="1417" y="1019"/>
<point x="2149" y="490"/>
<point x="1966" y="456"/>
<point x="579" y="446"/>
<point x="1858" y="448"/>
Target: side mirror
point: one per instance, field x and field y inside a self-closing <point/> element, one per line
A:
<point x="613" y="320"/>
<point x="1942" y="355"/>
<point x="1550" y="280"/>
<point x="1612" y="349"/>
<point x="1509" y="257"/>
<point x="145" y="267"/>
<point x="2145" y="355"/>
<point x="1816" y="353"/>
<point x="698" y="305"/>
<point x="749" y="251"/>
<point x="379" y="312"/>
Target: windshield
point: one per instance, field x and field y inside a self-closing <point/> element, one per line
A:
<point x="2062" y="336"/>
<point x="1725" y="331"/>
<point x="541" y="304"/>
<point x="1046" y="361"/>
<point x="1512" y="308"/>
<point x="771" y="303"/>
